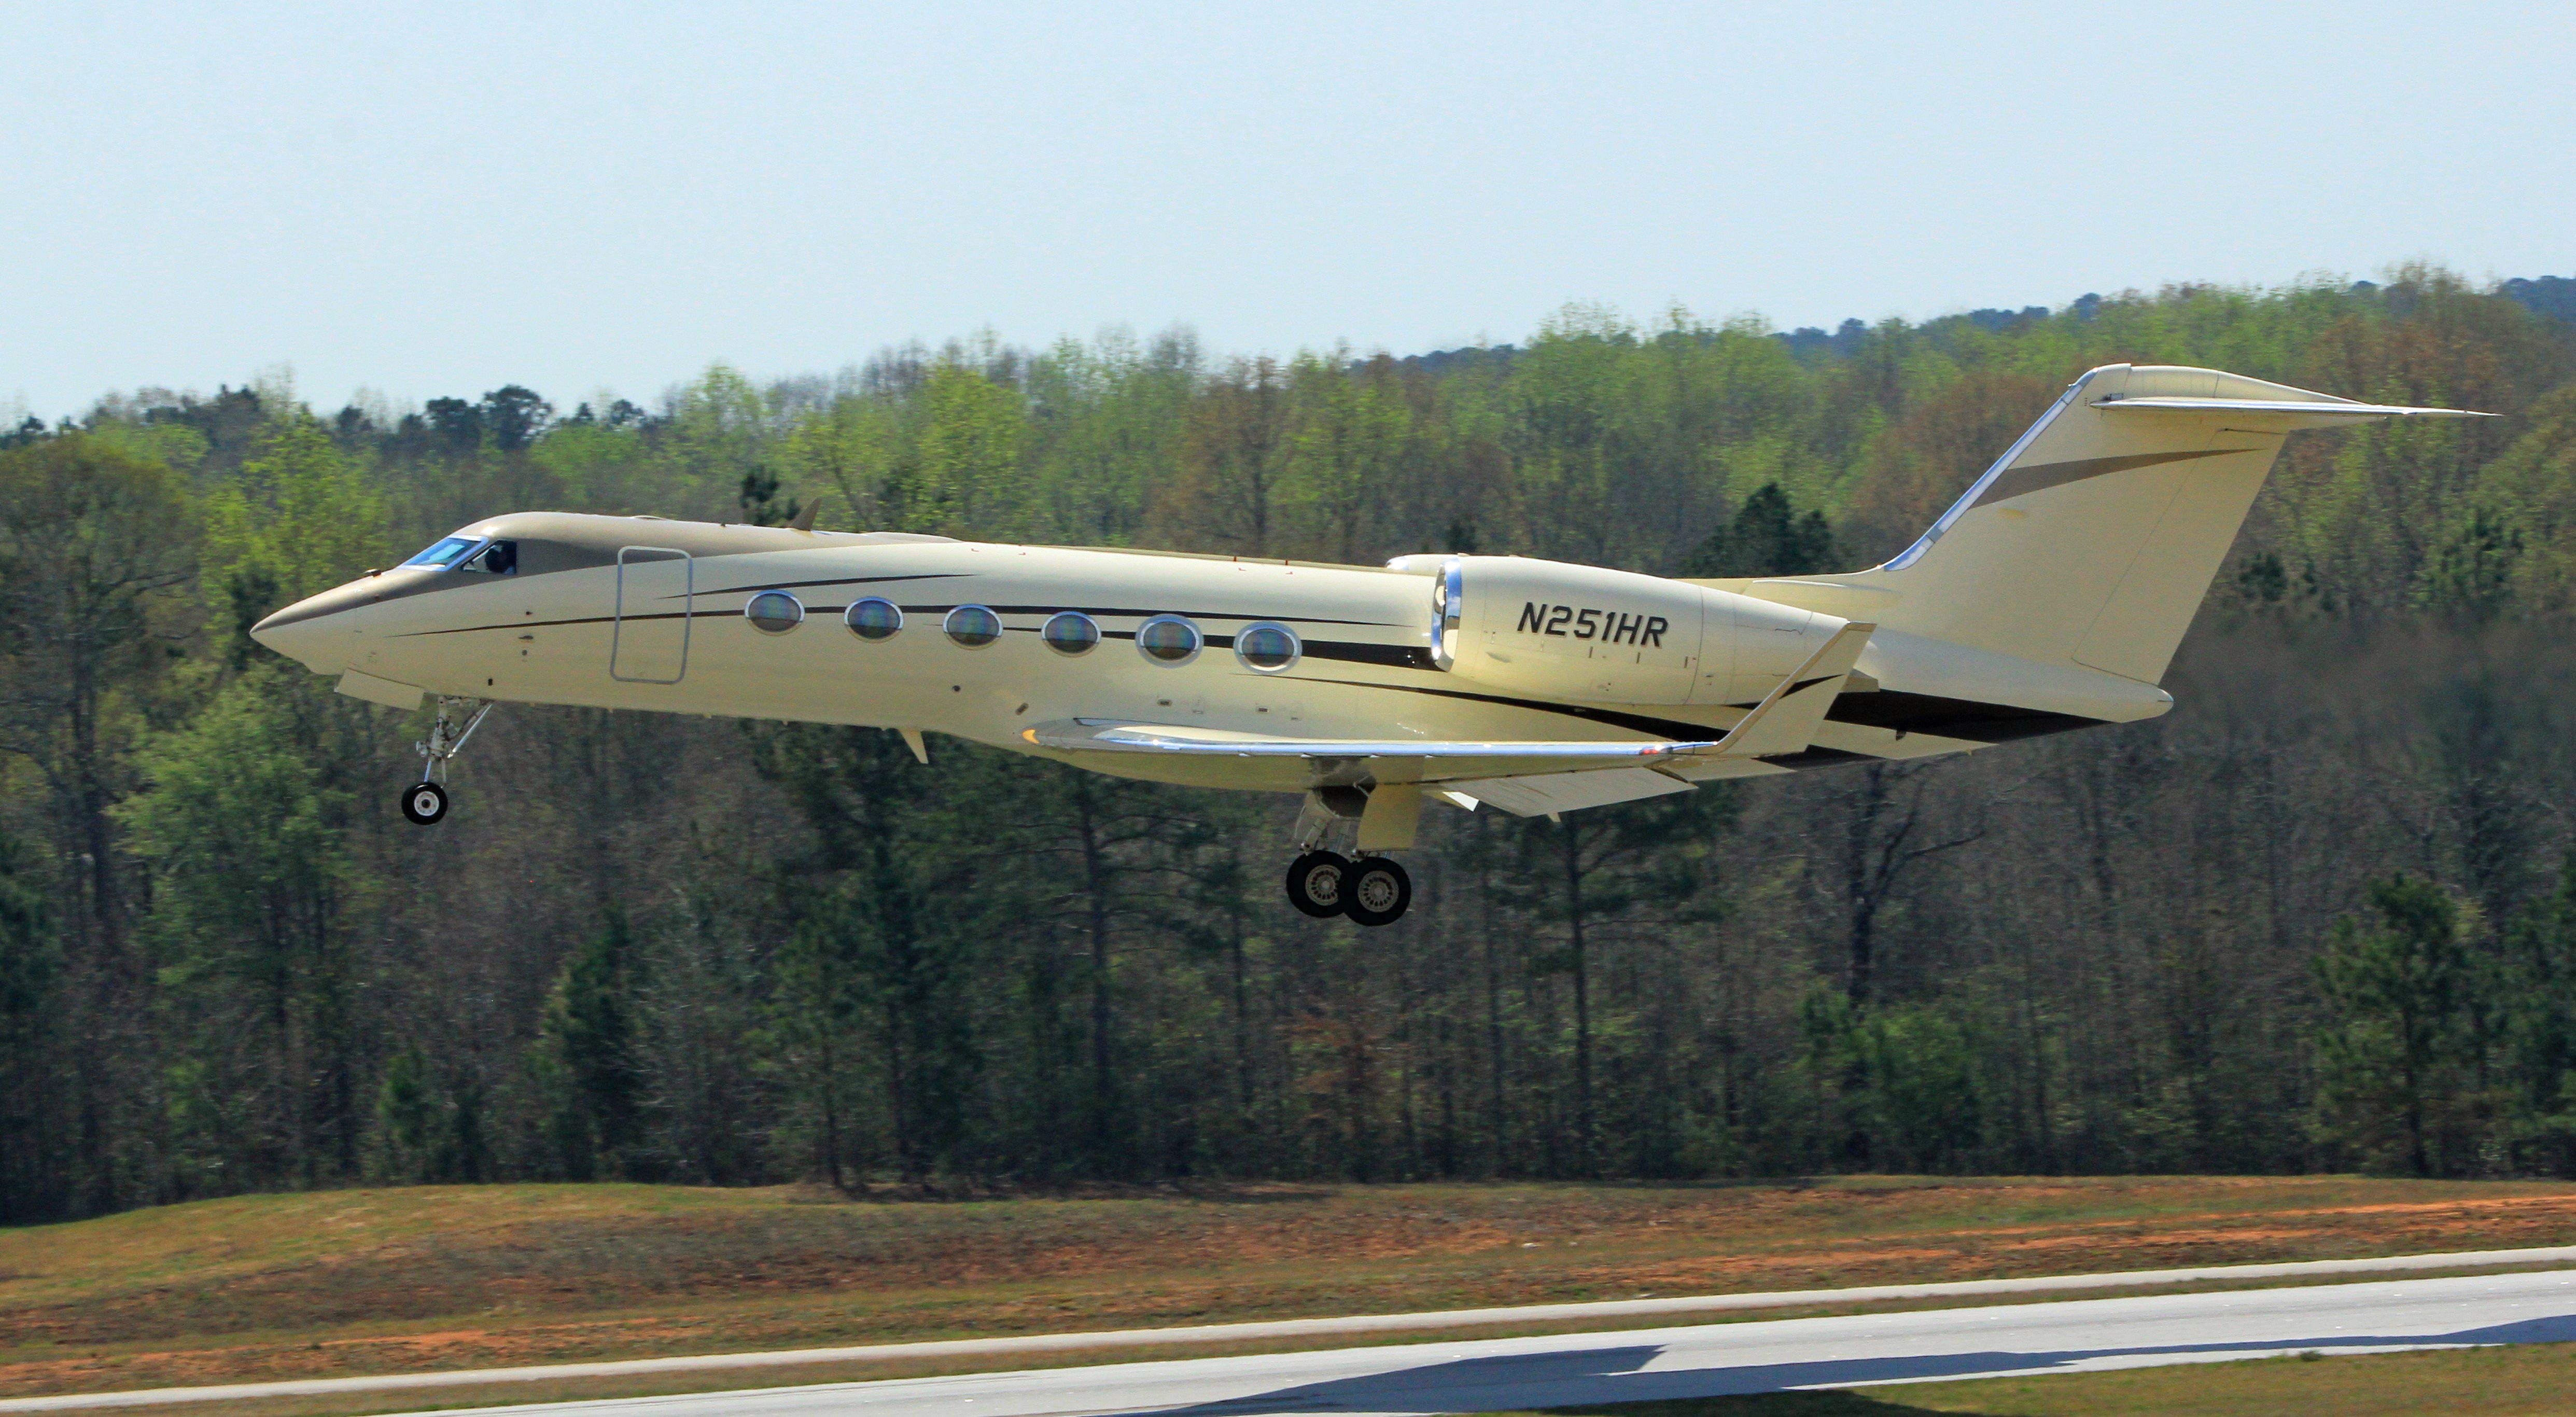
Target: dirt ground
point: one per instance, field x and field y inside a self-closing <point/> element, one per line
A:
<point x="424" y="1278"/>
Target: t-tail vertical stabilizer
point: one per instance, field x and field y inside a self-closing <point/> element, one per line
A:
<point x="2093" y="539"/>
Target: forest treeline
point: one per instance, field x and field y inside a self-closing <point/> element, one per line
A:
<point x="2318" y="917"/>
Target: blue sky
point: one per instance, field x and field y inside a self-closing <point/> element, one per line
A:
<point x="424" y="200"/>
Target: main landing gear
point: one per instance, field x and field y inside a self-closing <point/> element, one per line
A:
<point x="1367" y="888"/>
<point x="1371" y="890"/>
<point x="425" y="802"/>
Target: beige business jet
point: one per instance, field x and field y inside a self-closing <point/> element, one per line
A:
<point x="2051" y="596"/>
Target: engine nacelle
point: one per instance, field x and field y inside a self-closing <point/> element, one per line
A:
<point x="1613" y="637"/>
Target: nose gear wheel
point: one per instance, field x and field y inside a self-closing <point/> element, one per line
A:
<point x="425" y="802"/>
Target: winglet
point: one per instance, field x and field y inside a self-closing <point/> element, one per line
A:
<point x="805" y="515"/>
<point x="1787" y="718"/>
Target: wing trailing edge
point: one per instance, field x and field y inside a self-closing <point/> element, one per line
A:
<point x="1784" y="723"/>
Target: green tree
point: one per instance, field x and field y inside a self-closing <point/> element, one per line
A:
<point x="1235" y="458"/>
<point x="2398" y="990"/>
<point x="1904" y="1080"/>
<point x="95" y="552"/>
<point x="1345" y="431"/>
<point x="2539" y="1025"/>
<point x="873" y="1012"/>
<point x="719" y="427"/>
<point x="1595" y="875"/>
<point x="245" y="835"/>
<point x="406" y="1115"/>
<point x="586" y="1064"/>
<point x="1566" y="401"/>
<point x="2471" y="573"/>
<point x="31" y="1082"/>
<point x="1118" y="861"/>
<point x="1767" y="537"/>
<point x="296" y="519"/>
<point x="970" y="444"/>
<point x="592" y="466"/>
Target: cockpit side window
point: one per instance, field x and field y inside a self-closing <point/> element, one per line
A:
<point x="499" y="559"/>
<point x="446" y="553"/>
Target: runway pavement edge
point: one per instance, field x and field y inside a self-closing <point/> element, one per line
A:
<point x="1295" y="1328"/>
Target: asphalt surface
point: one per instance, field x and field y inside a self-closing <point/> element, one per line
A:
<point x="1712" y="1359"/>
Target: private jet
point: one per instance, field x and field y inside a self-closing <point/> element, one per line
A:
<point x="2050" y="596"/>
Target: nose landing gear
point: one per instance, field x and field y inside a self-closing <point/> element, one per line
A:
<point x="425" y="802"/>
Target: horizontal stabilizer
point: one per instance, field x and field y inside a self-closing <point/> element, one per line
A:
<point x="1787" y="718"/>
<point x="1545" y="794"/>
<point x="2317" y="412"/>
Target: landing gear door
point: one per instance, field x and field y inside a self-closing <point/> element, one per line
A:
<point x="649" y="640"/>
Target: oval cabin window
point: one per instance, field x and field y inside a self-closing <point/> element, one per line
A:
<point x="1071" y="632"/>
<point x="774" y="612"/>
<point x="1267" y="648"/>
<point x="973" y="626"/>
<point x="873" y="620"/>
<point x="1168" y="639"/>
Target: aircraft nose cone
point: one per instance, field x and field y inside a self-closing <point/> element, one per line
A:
<point x="266" y="630"/>
<point x="310" y="630"/>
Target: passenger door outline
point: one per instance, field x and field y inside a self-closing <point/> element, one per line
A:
<point x="641" y="649"/>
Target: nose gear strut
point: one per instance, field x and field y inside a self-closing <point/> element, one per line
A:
<point x="425" y="801"/>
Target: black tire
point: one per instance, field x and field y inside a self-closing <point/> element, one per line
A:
<point x="423" y="803"/>
<point x="1376" y="892"/>
<point x="1315" y="883"/>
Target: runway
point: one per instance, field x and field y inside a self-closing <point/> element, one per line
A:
<point x="1707" y="1360"/>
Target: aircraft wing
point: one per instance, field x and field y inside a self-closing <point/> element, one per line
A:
<point x="1784" y="722"/>
<point x="1456" y="757"/>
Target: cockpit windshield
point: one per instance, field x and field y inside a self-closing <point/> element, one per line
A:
<point x="446" y="553"/>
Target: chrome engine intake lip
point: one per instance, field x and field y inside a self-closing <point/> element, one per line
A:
<point x="1448" y="593"/>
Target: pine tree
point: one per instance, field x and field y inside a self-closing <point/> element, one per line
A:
<point x="2399" y="992"/>
<point x="1767" y="537"/>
